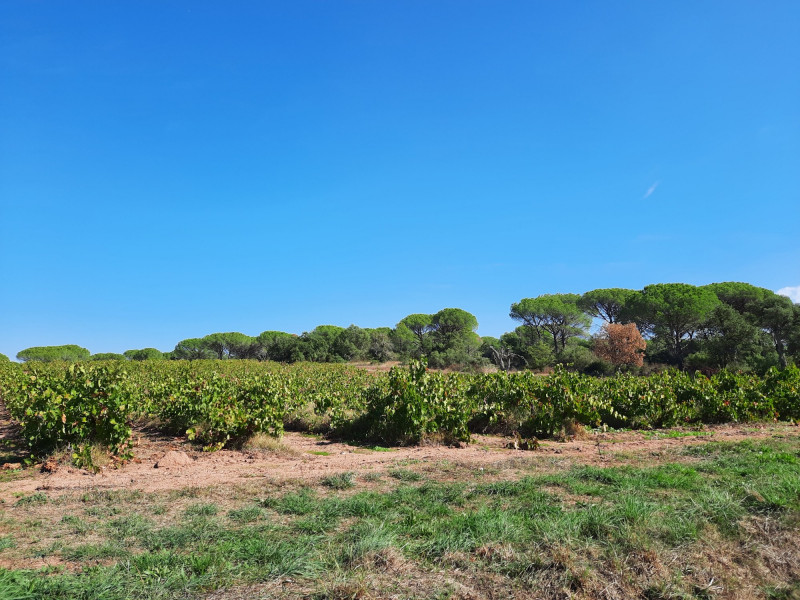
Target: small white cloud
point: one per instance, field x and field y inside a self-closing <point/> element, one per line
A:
<point x="792" y="292"/>
<point x="650" y="190"/>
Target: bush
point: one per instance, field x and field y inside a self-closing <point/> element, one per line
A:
<point x="216" y="409"/>
<point x="416" y="403"/>
<point x="581" y="359"/>
<point x="538" y="405"/>
<point x="74" y="405"/>
<point x="782" y="387"/>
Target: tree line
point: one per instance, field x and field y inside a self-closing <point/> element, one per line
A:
<point x="718" y="326"/>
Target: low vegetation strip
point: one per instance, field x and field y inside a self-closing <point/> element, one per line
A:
<point x="712" y="520"/>
<point x="223" y="403"/>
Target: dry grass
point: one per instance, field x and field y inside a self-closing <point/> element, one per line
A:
<point x="572" y="430"/>
<point x="263" y="442"/>
<point x="413" y="547"/>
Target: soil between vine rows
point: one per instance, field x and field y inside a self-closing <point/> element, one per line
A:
<point x="307" y="458"/>
<point x="629" y="514"/>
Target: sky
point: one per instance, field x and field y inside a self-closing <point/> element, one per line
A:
<point x="173" y="169"/>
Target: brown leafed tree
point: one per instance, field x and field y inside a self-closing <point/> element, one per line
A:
<point x="620" y="344"/>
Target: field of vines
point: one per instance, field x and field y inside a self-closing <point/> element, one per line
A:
<point x="220" y="404"/>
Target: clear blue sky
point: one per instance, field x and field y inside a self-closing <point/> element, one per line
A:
<point x="172" y="169"/>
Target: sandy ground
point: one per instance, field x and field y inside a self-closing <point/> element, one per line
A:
<point x="310" y="458"/>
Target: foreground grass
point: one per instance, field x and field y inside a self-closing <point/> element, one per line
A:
<point x="720" y="520"/>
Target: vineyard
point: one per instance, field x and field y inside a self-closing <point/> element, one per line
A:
<point x="220" y="404"/>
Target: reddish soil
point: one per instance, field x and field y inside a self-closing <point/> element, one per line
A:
<point x="304" y="459"/>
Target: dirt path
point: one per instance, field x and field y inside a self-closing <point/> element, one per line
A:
<point x="309" y="458"/>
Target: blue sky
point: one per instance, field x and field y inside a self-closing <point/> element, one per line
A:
<point x="172" y="169"/>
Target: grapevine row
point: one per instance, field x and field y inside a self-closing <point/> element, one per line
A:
<point x="221" y="403"/>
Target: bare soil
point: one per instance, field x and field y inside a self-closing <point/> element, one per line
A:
<point x="719" y="567"/>
<point x="308" y="458"/>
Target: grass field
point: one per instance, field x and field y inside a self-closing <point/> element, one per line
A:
<point x="697" y="518"/>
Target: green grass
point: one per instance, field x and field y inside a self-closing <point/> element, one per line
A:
<point x="87" y="552"/>
<point x="565" y="532"/>
<point x="339" y="481"/>
<point x="37" y="498"/>
<point x="202" y="509"/>
<point x="246" y="514"/>
<point x="76" y="525"/>
<point x="404" y="475"/>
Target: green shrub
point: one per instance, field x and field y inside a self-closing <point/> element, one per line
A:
<point x="217" y="409"/>
<point x="782" y="387"/>
<point x="539" y="405"/>
<point x="76" y="405"/>
<point x="416" y="403"/>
